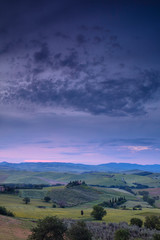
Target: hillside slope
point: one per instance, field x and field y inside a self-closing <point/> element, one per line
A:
<point x="72" y="167"/>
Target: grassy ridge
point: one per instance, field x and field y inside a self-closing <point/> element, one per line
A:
<point x="93" y="178"/>
<point x="77" y="195"/>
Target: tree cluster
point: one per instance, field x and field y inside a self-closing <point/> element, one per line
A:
<point x="75" y="183"/>
<point x="136" y="221"/>
<point x="137" y="207"/>
<point x="114" y="202"/>
<point x="51" y="228"/>
<point x="152" y="222"/>
<point x="146" y="197"/>
<point x="47" y="199"/>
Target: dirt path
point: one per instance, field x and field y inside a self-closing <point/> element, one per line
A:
<point x="13" y="229"/>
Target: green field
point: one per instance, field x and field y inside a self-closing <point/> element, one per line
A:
<point x="91" y="178"/>
<point x="31" y="211"/>
<point x="77" y="195"/>
<point x="83" y="197"/>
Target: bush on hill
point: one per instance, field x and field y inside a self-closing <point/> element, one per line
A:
<point x="47" y="199"/>
<point x="152" y="222"/>
<point x="122" y="234"/>
<point x="137" y="207"/>
<point x="136" y="221"/>
<point x="4" y="211"/>
<point x="48" y="228"/>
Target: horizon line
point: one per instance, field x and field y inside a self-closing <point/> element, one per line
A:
<point x="80" y="163"/>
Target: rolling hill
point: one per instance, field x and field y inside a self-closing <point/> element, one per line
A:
<point x="72" y="167"/>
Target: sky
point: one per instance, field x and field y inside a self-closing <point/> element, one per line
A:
<point x="80" y="81"/>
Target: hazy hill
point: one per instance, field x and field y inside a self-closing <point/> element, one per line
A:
<point x="71" y="167"/>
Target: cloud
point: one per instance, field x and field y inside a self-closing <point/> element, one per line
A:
<point x="113" y="97"/>
<point x="6" y="47"/>
<point x="43" y="54"/>
<point x="138" y="148"/>
<point x="81" y="69"/>
<point x="81" y="39"/>
<point x="62" y="35"/>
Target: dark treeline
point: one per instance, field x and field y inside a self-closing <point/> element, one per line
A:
<point x="76" y="183"/>
<point x="113" y="203"/>
<point x="13" y="188"/>
<point x="147" y="198"/>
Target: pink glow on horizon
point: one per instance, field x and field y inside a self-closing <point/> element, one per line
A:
<point x="89" y="154"/>
<point x="34" y="153"/>
<point x="36" y="161"/>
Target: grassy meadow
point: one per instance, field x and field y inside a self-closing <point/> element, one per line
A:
<point x="38" y="208"/>
<point x="91" y="178"/>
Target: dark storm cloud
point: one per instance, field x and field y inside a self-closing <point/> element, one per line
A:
<point x="69" y="66"/>
<point x="70" y="60"/>
<point x="5" y="48"/>
<point x="43" y="54"/>
<point x="62" y="35"/>
<point x="80" y="38"/>
<point x="114" y="97"/>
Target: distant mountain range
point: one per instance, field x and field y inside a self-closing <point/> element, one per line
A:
<point x="79" y="168"/>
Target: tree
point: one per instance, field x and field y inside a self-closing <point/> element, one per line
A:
<point x="98" y="212"/>
<point x="26" y="200"/>
<point x="79" y="231"/>
<point x="47" y="199"/>
<point x="82" y="212"/>
<point x="122" y="234"/>
<point x="136" y="221"/>
<point x="152" y="222"/>
<point x="49" y="228"/>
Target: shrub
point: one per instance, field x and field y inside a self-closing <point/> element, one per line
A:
<point x="156" y="236"/>
<point x="79" y="231"/>
<point x="54" y="205"/>
<point x="48" y="228"/>
<point x="152" y="222"/>
<point x="26" y="200"/>
<point x="137" y="207"/>
<point x="122" y="234"/>
<point x="98" y="212"/>
<point x="4" y="211"/>
<point x="136" y="221"/>
<point x="47" y="199"/>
